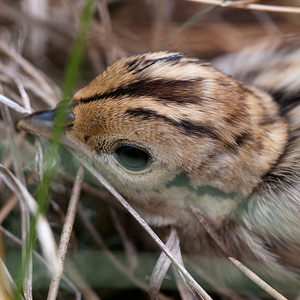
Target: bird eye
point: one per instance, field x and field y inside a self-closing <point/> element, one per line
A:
<point x="132" y="157"/>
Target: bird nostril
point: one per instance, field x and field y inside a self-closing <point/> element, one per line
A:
<point x="70" y="119"/>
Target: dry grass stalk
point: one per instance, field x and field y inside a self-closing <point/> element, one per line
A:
<point x="24" y="95"/>
<point x="218" y="286"/>
<point x="162" y="265"/>
<point x="8" y="207"/>
<point x="8" y="160"/>
<point x="183" y="288"/>
<point x="13" y="105"/>
<point x="107" y="30"/>
<point x="45" y="85"/>
<point x="44" y="233"/>
<point x="252" y="6"/>
<point x="276" y="295"/>
<point x="100" y="243"/>
<point x="6" y="282"/>
<point x="93" y="191"/>
<point x="41" y="259"/>
<point x="129" y="248"/>
<point x="219" y="241"/>
<point x="66" y="233"/>
<point x="37" y="38"/>
<point x="25" y="215"/>
<point x="16" y="76"/>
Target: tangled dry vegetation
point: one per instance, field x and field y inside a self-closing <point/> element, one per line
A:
<point x="106" y="257"/>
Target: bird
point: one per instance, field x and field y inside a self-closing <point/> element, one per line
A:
<point x="172" y="132"/>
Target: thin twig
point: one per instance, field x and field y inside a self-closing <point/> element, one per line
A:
<point x="263" y="7"/>
<point x="24" y="95"/>
<point x="218" y="240"/>
<point x="13" y="105"/>
<point x="66" y="233"/>
<point x="100" y="243"/>
<point x="94" y="191"/>
<point x="129" y="248"/>
<point x="217" y="285"/>
<point x="250" y="274"/>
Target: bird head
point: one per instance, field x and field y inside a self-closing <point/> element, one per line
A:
<point x="166" y="128"/>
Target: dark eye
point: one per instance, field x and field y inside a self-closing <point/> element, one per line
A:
<point x="132" y="157"/>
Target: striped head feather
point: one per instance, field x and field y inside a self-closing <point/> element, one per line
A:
<point x="189" y="117"/>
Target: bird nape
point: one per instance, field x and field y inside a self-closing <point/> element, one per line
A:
<point x="176" y="135"/>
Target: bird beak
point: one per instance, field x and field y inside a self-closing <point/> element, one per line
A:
<point x="42" y="123"/>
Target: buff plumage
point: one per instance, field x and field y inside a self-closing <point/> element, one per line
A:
<point x="228" y="146"/>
